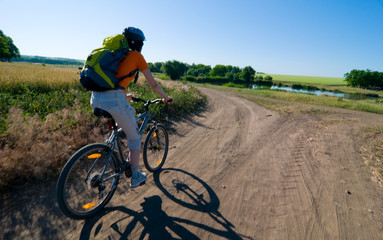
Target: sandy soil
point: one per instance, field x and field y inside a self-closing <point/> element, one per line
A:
<point x="237" y="171"/>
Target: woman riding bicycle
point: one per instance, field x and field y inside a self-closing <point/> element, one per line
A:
<point x="116" y="101"/>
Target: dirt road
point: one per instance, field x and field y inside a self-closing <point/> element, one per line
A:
<point x="237" y="171"/>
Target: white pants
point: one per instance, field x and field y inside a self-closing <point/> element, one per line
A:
<point x="115" y="103"/>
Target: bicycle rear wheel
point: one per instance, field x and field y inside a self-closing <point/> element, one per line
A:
<point x="156" y="148"/>
<point x="81" y="192"/>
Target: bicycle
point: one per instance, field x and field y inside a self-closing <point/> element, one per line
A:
<point x="90" y="177"/>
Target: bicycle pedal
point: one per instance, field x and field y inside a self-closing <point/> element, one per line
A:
<point x="128" y="171"/>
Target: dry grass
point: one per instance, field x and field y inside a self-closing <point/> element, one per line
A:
<point x="372" y="151"/>
<point x="34" y="147"/>
<point x="15" y="73"/>
<point x="36" y="150"/>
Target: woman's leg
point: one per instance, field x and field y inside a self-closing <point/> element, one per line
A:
<point x="126" y="120"/>
<point x="115" y="103"/>
<point x="134" y="160"/>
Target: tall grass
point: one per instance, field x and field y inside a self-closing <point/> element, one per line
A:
<point x="46" y="116"/>
<point x="38" y="90"/>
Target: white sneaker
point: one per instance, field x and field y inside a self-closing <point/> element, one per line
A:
<point x="141" y="179"/>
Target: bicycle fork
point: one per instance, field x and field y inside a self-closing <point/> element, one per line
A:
<point x="99" y="181"/>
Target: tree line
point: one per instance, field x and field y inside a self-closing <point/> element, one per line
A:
<point x="8" y="50"/>
<point x="47" y="60"/>
<point x="204" y="73"/>
<point x="364" y="79"/>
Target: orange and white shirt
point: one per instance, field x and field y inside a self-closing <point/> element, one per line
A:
<point x="131" y="62"/>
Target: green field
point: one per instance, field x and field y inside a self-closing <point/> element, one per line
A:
<point x="329" y="81"/>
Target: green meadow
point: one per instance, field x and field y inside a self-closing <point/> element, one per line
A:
<point x="330" y="81"/>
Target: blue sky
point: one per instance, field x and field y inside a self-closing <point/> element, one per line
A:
<point x="294" y="37"/>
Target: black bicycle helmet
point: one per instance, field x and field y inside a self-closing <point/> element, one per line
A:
<point x="135" y="38"/>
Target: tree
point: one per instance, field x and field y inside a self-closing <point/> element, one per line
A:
<point x="158" y="65"/>
<point x="155" y="67"/>
<point x="199" y="70"/>
<point x="229" y="76"/>
<point x="236" y="70"/>
<point x="219" y="71"/>
<point x="248" y="74"/>
<point x="364" y="78"/>
<point x="7" y="49"/>
<point x="174" y="69"/>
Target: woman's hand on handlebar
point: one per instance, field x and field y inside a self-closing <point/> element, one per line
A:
<point x="129" y="97"/>
<point x="167" y="100"/>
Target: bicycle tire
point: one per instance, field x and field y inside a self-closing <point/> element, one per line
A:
<point x="80" y="194"/>
<point x="156" y="148"/>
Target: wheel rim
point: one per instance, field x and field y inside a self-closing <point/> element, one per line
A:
<point x="156" y="149"/>
<point x="84" y="192"/>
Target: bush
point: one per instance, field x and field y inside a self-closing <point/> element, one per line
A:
<point x="297" y="86"/>
<point x="174" y="69"/>
<point x="190" y="78"/>
<point x="207" y="79"/>
<point x="248" y="74"/>
<point x="311" y="88"/>
<point x="264" y="83"/>
<point x="230" y="84"/>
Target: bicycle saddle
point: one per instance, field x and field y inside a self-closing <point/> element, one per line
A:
<point x="101" y="113"/>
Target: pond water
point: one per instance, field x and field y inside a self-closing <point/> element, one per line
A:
<point x="316" y="92"/>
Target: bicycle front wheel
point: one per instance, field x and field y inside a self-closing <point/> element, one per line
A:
<point x="156" y="148"/>
<point x="87" y="183"/>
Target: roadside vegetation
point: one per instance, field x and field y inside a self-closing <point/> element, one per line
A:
<point x="46" y="116"/>
<point x="262" y="96"/>
<point x="372" y="151"/>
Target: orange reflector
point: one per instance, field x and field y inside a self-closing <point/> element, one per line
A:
<point x="158" y="163"/>
<point x="155" y="135"/>
<point x="96" y="155"/>
<point x="89" y="205"/>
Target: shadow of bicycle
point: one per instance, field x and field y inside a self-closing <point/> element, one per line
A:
<point x="184" y="189"/>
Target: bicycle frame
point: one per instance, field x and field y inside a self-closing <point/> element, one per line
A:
<point x="111" y="141"/>
<point x="146" y="118"/>
<point x="113" y="138"/>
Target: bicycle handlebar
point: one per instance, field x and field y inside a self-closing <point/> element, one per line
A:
<point x="136" y="99"/>
<point x="148" y="102"/>
<point x="157" y="100"/>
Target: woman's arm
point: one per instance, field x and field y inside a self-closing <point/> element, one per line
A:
<point x="154" y="85"/>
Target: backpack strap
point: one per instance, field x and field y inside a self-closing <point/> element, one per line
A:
<point x="131" y="74"/>
<point x="136" y="77"/>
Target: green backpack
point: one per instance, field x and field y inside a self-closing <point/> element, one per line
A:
<point x="100" y="68"/>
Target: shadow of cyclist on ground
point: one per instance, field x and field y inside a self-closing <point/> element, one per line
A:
<point x="154" y="223"/>
<point x="154" y="220"/>
<point x="200" y="197"/>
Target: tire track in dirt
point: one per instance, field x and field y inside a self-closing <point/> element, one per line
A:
<point x="236" y="171"/>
